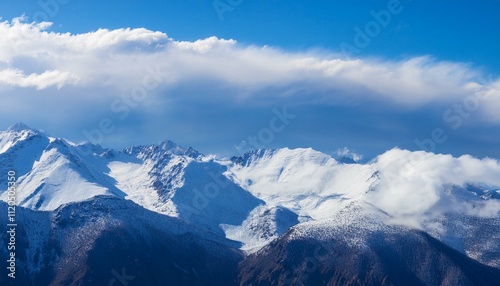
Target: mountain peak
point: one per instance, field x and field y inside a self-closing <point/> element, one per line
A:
<point x="174" y="148"/>
<point x="19" y="126"/>
<point x="168" y="145"/>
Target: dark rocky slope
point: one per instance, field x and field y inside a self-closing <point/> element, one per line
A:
<point x="407" y="258"/>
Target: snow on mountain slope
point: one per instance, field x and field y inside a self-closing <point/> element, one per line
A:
<point x="263" y="225"/>
<point x="181" y="183"/>
<point x="475" y="236"/>
<point x="82" y="243"/>
<point x="442" y="195"/>
<point x="357" y="248"/>
<point x="164" y="178"/>
<point x="209" y="198"/>
<point x="255" y="198"/>
<point x="55" y="181"/>
<point x="20" y="147"/>
<point x="16" y="133"/>
<point x="353" y="224"/>
<point x="50" y="171"/>
<point x="132" y="178"/>
<point x="407" y="185"/>
<point x="151" y="174"/>
<point x="308" y="182"/>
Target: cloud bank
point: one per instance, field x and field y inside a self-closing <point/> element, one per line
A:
<point x="125" y="53"/>
<point x="425" y="185"/>
<point x="156" y="74"/>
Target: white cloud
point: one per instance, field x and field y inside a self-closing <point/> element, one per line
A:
<point x="46" y="79"/>
<point x="346" y="153"/>
<point x="120" y="58"/>
<point x="81" y="76"/>
<point x="417" y="184"/>
<point x="205" y="45"/>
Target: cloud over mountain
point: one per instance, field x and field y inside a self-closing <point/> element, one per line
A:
<point x="153" y="74"/>
<point x="409" y="81"/>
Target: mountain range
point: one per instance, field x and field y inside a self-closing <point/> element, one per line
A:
<point x="167" y="215"/>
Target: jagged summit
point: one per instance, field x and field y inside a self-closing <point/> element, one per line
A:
<point x="19" y="126"/>
<point x="20" y="135"/>
<point x="168" y="145"/>
<point x="265" y="201"/>
<point x="172" y="147"/>
<point x="164" y="147"/>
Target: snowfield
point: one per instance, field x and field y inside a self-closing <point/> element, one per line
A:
<point x="256" y="198"/>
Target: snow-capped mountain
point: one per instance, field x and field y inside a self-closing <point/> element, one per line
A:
<point x="453" y="199"/>
<point x="111" y="241"/>
<point x="355" y="248"/>
<point x="250" y="205"/>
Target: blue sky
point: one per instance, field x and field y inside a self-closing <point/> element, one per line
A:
<point x="408" y="79"/>
<point x="464" y="31"/>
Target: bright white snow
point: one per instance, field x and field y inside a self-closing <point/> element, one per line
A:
<point x="256" y="198"/>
